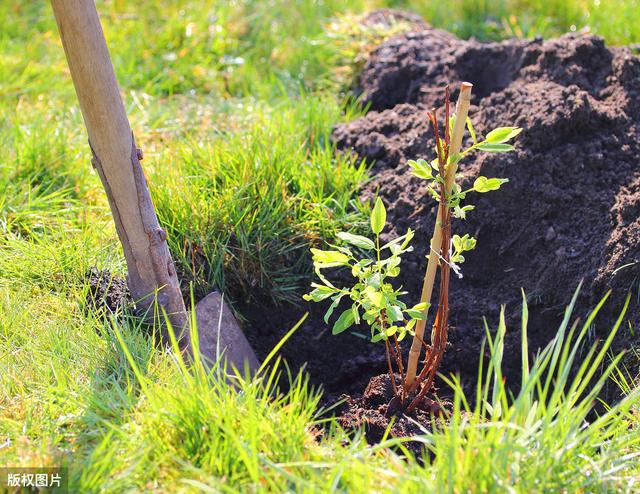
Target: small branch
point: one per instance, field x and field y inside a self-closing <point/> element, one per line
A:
<point x="393" y="377"/>
<point x="398" y="356"/>
<point x="425" y="345"/>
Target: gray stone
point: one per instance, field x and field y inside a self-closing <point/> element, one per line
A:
<point x="230" y="341"/>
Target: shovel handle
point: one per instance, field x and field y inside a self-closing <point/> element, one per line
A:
<point x="151" y="270"/>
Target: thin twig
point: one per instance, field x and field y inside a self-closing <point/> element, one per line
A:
<point x="393" y="377"/>
<point x="399" y="363"/>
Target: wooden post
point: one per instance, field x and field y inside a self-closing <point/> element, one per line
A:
<point x="462" y="110"/>
<point x="151" y="271"/>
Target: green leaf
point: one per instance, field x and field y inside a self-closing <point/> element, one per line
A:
<point x="457" y="242"/>
<point x="495" y="148"/>
<point x="370" y="316"/>
<point x="434" y="193"/>
<point x="345" y="321"/>
<point x="391" y="330"/>
<point x="378" y="337"/>
<point x="393" y="271"/>
<point x="421" y="169"/>
<point x="374" y="281"/>
<point x="332" y="307"/>
<point x="391" y="262"/>
<point x="469" y="243"/>
<point x="395" y="313"/>
<point x="320" y="293"/>
<point x="408" y="237"/>
<point x="502" y="134"/>
<point x="410" y="325"/>
<point x="357" y="240"/>
<point x="329" y="258"/>
<point x="472" y="131"/>
<point x="404" y="239"/>
<point x="376" y="297"/>
<point x="418" y="311"/>
<point x="457" y="258"/>
<point x="343" y="249"/>
<point x="356" y="314"/>
<point x="378" y="216"/>
<point x="460" y="245"/>
<point x="395" y="249"/>
<point x="484" y="184"/>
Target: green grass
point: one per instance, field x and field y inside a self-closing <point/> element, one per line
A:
<point x="617" y="21"/>
<point x="257" y="199"/>
<point x="140" y="419"/>
<point x="233" y="104"/>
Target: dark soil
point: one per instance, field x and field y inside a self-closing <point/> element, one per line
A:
<point x="570" y="212"/>
<point x="373" y="411"/>
<point x="108" y="293"/>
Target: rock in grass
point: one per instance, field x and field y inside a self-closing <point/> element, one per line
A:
<point x="221" y="336"/>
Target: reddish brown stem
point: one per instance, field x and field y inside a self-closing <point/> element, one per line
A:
<point x="453" y="148"/>
<point x="440" y="325"/>
<point x="391" y="375"/>
<point x="398" y="356"/>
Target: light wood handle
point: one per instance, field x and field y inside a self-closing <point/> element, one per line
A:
<point x="116" y="158"/>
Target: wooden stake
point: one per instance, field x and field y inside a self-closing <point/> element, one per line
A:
<point x="462" y="110"/>
<point x="151" y="272"/>
<point x="116" y="158"/>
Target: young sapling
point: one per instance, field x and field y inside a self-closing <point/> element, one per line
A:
<point x="372" y="297"/>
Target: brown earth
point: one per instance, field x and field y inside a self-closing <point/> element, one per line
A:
<point x="374" y="412"/>
<point x="107" y="293"/>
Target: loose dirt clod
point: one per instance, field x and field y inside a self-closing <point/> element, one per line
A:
<point x="108" y="293"/>
<point x="372" y="412"/>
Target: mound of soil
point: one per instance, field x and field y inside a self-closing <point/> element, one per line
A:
<point x="570" y="212"/>
<point x="373" y="412"/>
<point x="386" y="18"/>
<point x="571" y="208"/>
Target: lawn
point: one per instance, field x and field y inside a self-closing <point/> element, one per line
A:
<point x="233" y="104"/>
